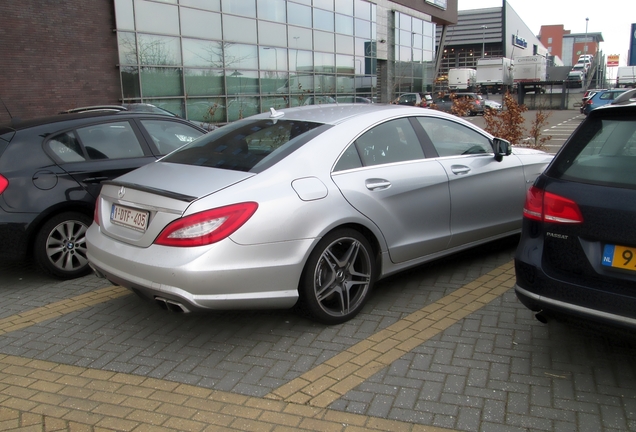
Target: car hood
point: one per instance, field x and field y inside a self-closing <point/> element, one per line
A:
<point x="186" y="180"/>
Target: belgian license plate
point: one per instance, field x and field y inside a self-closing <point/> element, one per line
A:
<point x="129" y="217"/>
<point x="619" y="257"/>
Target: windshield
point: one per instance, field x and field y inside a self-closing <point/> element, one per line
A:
<point x="246" y="145"/>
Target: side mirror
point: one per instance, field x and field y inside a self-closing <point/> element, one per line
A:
<point x="502" y="148"/>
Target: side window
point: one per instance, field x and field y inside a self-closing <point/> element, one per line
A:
<point x="110" y="141"/>
<point x="349" y="159"/>
<point x="170" y="135"/>
<point x="392" y="141"/>
<point x="452" y="139"/>
<point x="66" y="147"/>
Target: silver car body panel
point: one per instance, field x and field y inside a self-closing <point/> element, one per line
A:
<point x="412" y="220"/>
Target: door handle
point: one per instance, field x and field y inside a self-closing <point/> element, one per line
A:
<point x="375" y="184"/>
<point x="460" y="169"/>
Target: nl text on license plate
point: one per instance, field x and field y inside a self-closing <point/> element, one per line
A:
<point x="619" y="257"/>
<point x="129" y="217"/>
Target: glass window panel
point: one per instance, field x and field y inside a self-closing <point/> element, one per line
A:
<point x="344" y="64"/>
<point x="406" y="38"/>
<point x="202" y="53"/>
<point x="208" y="110"/>
<point x="323" y="20"/>
<point x="325" y="84"/>
<point x="344" y="24"/>
<point x="276" y="102"/>
<point x="300" y="38"/>
<point x="405" y="22"/>
<point x="170" y="135"/>
<point x="159" y="50"/>
<point x="363" y="29"/>
<point x="274" y="82"/>
<point x="246" y="8"/>
<point x="301" y="83"/>
<point x="298" y="15"/>
<point x="154" y="17"/>
<point x="324" y="41"/>
<point x="324" y="62"/>
<point x="239" y="29"/>
<point x="272" y="58"/>
<point x="301" y="60"/>
<point x="124" y="15"/>
<point x="66" y="147"/>
<point x="345" y="7"/>
<point x="405" y="54"/>
<point x="305" y="2"/>
<point x="110" y="141"/>
<point x="345" y="84"/>
<point x="273" y="10"/>
<point x="201" y="24"/>
<point x="324" y="4"/>
<point x="272" y="34"/>
<point x="161" y="82"/>
<point x="238" y="56"/>
<point x="344" y="44"/>
<point x="364" y="47"/>
<point x="428" y="43"/>
<point x="362" y="9"/>
<point x="213" y="5"/>
<point x="417" y="25"/>
<point x="241" y="108"/>
<point x="204" y="82"/>
<point x="130" y="82"/>
<point x="127" y="48"/>
<point x="374" y="9"/>
<point x="428" y="29"/>
<point x="417" y="55"/>
<point x="241" y="81"/>
<point x="417" y="40"/>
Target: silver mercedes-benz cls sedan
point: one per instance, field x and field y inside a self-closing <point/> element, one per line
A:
<point x="307" y="207"/>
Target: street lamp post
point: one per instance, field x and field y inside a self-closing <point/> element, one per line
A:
<point x="585" y="54"/>
<point x="483" y="41"/>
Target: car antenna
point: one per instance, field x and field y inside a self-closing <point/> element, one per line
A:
<point x="5" y="107"/>
<point x="274" y="113"/>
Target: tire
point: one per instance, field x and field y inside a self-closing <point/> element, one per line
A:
<point x="338" y="277"/>
<point x="60" y="245"/>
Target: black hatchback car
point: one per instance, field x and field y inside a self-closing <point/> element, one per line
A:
<point x="577" y="253"/>
<point x="51" y="171"/>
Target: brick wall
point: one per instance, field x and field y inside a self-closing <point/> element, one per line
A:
<point x="55" y="55"/>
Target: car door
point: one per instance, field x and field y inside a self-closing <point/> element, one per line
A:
<point x="385" y="176"/>
<point x="94" y="153"/>
<point x="486" y="195"/>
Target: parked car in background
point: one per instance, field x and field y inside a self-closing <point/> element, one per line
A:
<point x="492" y="105"/>
<point x="600" y="98"/>
<point x="51" y="170"/>
<point x="307" y="206"/>
<point x="423" y="100"/>
<point x="445" y="103"/>
<point x="575" y="79"/>
<point x="353" y="99"/>
<point x="588" y="94"/>
<point x="577" y="254"/>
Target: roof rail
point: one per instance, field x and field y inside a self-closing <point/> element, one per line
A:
<point x="94" y="108"/>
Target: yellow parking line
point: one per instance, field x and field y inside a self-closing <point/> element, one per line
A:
<point x="58" y="309"/>
<point x="335" y="377"/>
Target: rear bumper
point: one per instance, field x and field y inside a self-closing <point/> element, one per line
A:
<point x="538" y="303"/>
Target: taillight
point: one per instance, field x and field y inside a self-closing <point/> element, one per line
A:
<point x="589" y="102"/>
<point x="548" y="207"/>
<point x="206" y="227"/>
<point x="3" y="183"/>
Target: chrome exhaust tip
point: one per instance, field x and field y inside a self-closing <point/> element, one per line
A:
<point x="171" y="305"/>
<point x="541" y="317"/>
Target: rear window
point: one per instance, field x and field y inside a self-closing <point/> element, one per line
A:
<point x="247" y="145"/>
<point x="602" y="151"/>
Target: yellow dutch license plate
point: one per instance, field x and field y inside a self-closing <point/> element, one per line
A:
<point x="622" y="257"/>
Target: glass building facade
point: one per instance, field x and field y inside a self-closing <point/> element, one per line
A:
<point x="221" y="60"/>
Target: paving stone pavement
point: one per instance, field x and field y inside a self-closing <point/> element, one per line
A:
<point x="442" y="347"/>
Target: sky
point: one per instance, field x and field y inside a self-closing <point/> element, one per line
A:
<point x="612" y="22"/>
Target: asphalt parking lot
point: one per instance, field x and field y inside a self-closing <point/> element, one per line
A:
<point x="445" y="346"/>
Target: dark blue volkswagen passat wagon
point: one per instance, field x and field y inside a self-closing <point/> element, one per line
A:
<point x="577" y="254"/>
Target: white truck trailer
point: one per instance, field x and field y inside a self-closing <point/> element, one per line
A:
<point x="461" y="79"/>
<point x="530" y="69"/>
<point x="626" y="76"/>
<point x="495" y="74"/>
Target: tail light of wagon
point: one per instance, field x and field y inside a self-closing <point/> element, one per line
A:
<point x="4" y="183"/>
<point x="548" y="207"/>
<point x="206" y="227"/>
